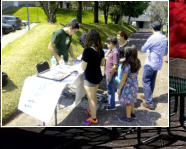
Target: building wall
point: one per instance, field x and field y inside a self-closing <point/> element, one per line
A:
<point x="24" y="3"/>
<point x="143" y="24"/>
<point x="6" y="5"/>
<point x="147" y="25"/>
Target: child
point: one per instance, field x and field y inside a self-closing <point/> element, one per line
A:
<point x="128" y="87"/>
<point x="92" y="59"/>
<point x="111" y="70"/>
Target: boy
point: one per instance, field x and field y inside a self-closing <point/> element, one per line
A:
<point x="61" y="41"/>
<point x="111" y="70"/>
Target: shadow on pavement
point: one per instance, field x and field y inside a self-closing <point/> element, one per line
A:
<point x="56" y="138"/>
<point x="110" y="118"/>
<point x="160" y="99"/>
<point x="85" y="138"/>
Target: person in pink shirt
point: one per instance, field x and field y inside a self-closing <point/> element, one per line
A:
<point x="112" y="59"/>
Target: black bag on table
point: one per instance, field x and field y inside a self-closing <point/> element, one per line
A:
<point x="40" y="67"/>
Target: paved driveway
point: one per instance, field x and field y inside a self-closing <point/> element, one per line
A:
<point x="7" y="38"/>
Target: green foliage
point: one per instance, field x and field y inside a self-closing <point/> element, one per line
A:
<point x="50" y="9"/>
<point x="129" y="8"/>
<point x="159" y="11"/>
<point x="115" y="13"/>
<point x="135" y="8"/>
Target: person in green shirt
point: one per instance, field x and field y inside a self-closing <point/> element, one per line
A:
<point x="61" y="41"/>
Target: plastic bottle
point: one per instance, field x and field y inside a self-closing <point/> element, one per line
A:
<point x="53" y="61"/>
<point x="62" y="62"/>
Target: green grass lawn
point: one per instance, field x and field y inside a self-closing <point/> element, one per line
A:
<point x="62" y="15"/>
<point x="20" y="56"/>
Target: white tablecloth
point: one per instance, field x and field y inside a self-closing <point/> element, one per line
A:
<point x="39" y="96"/>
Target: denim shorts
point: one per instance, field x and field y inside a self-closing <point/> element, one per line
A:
<point x="89" y="84"/>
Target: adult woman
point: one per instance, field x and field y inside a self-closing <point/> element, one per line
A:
<point x="92" y="59"/>
<point x="122" y="42"/>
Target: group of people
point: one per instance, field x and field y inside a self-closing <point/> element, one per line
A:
<point x="121" y="66"/>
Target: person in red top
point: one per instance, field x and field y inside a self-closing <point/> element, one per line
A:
<point x="112" y="59"/>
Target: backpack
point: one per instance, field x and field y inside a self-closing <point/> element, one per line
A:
<point x="4" y="79"/>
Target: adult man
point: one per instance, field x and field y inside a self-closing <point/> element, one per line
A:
<point x="156" y="47"/>
<point x="61" y="40"/>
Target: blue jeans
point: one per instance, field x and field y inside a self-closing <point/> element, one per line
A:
<point x="111" y="92"/>
<point x="148" y="80"/>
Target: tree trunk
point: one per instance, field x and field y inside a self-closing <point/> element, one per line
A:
<point x="105" y="17"/>
<point x="106" y="10"/>
<point x="68" y="5"/>
<point x="117" y="19"/>
<point x="60" y="4"/>
<point x="50" y="9"/>
<point x="79" y="12"/>
<point x="96" y="12"/>
<point x="129" y="19"/>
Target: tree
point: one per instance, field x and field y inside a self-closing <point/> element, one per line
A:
<point x="104" y="5"/>
<point x="116" y="11"/>
<point x="115" y="14"/>
<point x="96" y="8"/>
<point x="50" y="8"/>
<point x="87" y="4"/>
<point x="159" y="12"/>
<point x="134" y="9"/>
<point x="79" y="12"/>
<point x="127" y="8"/>
<point x="60" y="4"/>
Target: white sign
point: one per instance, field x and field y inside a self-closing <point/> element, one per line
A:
<point x="39" y="96"/>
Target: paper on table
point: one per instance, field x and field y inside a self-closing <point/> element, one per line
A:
<point x="39" y="97"/>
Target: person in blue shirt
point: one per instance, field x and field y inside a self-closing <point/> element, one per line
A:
<point x="156" y="48"/>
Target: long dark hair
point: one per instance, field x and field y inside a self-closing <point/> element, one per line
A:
<point x="93" y="39"/>
<point x="131" y="55"/>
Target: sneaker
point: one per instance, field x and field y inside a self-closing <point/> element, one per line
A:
<point x="90" y="120"/>
<point x="109" y="108"/>
<point x="124" y="119"/>
<point x="87" y="111"/>
<point x="133" y="116"/>
<point x="148" y="106"/>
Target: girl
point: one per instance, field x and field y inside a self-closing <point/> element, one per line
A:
<point x="128" y="88"/>
<point x="92" y="59"/>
